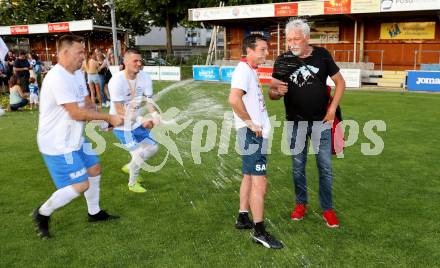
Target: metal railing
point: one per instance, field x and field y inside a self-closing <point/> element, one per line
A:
<point x="349" y="54"/>
<point x="419" y="52"/>
<point x="381" y="56"/>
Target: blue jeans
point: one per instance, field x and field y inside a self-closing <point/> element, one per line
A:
<point x="320" y="134"/>
<point x="22" y="103"/>
<point x="101" y="85"/>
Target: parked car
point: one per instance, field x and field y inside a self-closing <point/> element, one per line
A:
<point x="156" y="62"/>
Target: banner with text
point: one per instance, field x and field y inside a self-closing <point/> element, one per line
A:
<point x="206" y="72"/>
<point x="407" y="30"/>
<point x="423" y="81"/>
<point x="352" y="78"/>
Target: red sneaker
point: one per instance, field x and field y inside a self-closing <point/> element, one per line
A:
<point x="330" y="218"/>
<point x="298" y="212"/>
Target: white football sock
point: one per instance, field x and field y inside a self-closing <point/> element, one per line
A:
<point x="138" y="156"/>
<point x="58" y="199"/>
<point x="92" y="195"/>
<point x="149" y="151"/>
<point x="134" y="166"/>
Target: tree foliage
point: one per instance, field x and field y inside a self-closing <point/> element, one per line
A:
<point x="128" y="14"/>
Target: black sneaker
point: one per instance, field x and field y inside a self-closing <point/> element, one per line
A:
<point x="267" y="240"/>
<point x="243" y="222"/>
<point x="41" y="224"/>
<point x="102" y="216"/>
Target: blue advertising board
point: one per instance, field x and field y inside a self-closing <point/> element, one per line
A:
<point x="423" y="81"/>
<point x="226" y="73"/>
<point x="430" y="67"/>
<point x="206" y="72"/>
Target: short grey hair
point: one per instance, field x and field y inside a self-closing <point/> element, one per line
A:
<point x="299" y="24"/>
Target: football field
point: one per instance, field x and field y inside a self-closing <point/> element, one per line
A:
<point x="388" y="200"/>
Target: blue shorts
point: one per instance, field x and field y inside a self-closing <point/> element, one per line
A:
<point x="132" y="139"/>
<point x="93" y="78"/>
<point x="70" y="168"/>
<point x="253" y="152"/>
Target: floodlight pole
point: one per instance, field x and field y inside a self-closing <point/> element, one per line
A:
<point x="115" y="37"/>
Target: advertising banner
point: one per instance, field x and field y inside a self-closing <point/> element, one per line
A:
<point x="286" y="10"/>
<point x="226" y="73"/>
<point x="206" y="73"/>
<point x="423" y="81"/>
<point x="365" y="6"/>
<point x="337" y="7"/>
<point x="324" y="34"/>
<point x="232" y="12"/>
<point x="409" y="5"/>
<point x="170" y="73"/>
<point x="310" y="8"/>
<point x="19" y="29"/>
<point x="407" y="30"/>
<point x="61" y="27"/>
<point x="352" y="78"/>
<point x="152" y="71"/>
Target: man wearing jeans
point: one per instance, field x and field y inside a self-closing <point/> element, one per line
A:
<point x="299" y="77"/>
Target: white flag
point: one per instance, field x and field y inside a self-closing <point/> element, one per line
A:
<point x="3" y="50"/>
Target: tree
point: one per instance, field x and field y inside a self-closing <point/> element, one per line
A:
<point x="169" y="14"/>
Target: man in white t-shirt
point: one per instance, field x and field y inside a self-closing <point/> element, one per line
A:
<point x="64" y="108"/>
<point x="130" y="92"/>
<point x="253" y="128"/>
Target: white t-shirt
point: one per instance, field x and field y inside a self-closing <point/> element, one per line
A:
<point x="120" y="92"/>
<point x="246" y="79"/>
<point x="58" y="133"/>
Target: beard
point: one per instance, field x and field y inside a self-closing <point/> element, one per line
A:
<point x="297" y="51"/>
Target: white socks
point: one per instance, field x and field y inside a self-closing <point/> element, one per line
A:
<point x="134" y="167"/>
<point x="138" y="156"/>
<point x="92" y="195"/>
<point x="149" y="150"/>
<point x="58" y="199"/>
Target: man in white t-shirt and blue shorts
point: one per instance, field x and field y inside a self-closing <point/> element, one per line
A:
<point x="253" y="129"/>
<point x="64" y="108"/>
<point x="131" y="91"/>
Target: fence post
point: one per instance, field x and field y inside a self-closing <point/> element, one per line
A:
<point x="415" y="59"/>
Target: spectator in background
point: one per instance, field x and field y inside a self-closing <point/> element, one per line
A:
<point x="121" y="62"/>
<point x="38" y="69"/>
<point x="91" y="67"/>
<point x="17" y="98"/>
<point x="3" y="79"/>
<point x="21" y="70"/>
<point x="102" y="63"/>
<point x="33" y="92"/>
<point x="32" y="63"/>
<point x="105" y="75"/>
<point x="9" y="64"/>
<point x="110" y="56"/>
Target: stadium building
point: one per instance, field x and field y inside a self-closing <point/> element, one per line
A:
<point x="42" y="38"/>
<point x="383" y="36"/>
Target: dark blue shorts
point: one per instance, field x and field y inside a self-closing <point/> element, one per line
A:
<point x="253" y="151"/>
